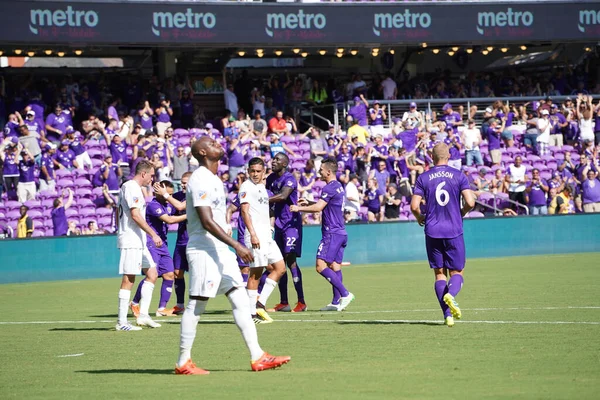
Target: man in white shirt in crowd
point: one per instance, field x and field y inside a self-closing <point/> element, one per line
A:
<point x="412" y="115"/>
<point x="352" y="203"/>
<point x="131" y="240"/>
<point x="544" y="126"/>
<point x="254" y="205"/>
<point x="213" y="266"/>
<point x="390" y="89"/>
<point x="231" y="101"/>
<point x="471" y="138"/>
<point x="515" y="176"/>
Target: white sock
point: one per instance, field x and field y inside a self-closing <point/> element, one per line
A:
<point x="124" y="296"/>
<point x="252" y="296"/>
<point x="243" y="320"/>
<point x="189" y="323"/>
<point x="267" y="290"/>
<point x="146" y="298"/>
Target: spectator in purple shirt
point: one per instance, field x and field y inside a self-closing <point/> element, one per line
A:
<point x="57" y="123"/>
<point x="358" y="112"/>
<point x="12" y="126"/>
<point x="372" y="201"/>
<point x="536" y="190"/>
<point x="451" y="118"/>
<point x="47" y="175"/>
<point x="26" y="189"/>
<point x="493" y="136"/>
<point x="110" y="175"/>
<point x="235" y="154"/>
<point x="590" y="188"/>
<point x="454" y="145"/>
<point x="9" y="154"/>
<point x="59" y="218"/>
<point x="65" y="156"/>
<point x="33" y="125"/>
<point x="382" y="176"/>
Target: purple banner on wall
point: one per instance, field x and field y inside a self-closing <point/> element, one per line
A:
<point x="327" y="24"/>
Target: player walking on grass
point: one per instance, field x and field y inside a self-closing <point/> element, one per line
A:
<point x="442" y="187"/>
<point x="159" y="215"/>
<point x="331" y="249"/>
<point x="213" y="267"/>
<point x="131" y="240"/>
<point x="288" y="228"/>
<point x="254" y="201"/>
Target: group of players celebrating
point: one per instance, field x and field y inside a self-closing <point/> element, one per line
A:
<point x="269" y="239"/>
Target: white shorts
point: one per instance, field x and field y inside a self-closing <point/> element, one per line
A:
<point x="134" y="260"/>
<point x="213" y="272"/>
<point x="268" y="253"/>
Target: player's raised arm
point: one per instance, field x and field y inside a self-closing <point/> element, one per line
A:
<point x="161" y="190"/>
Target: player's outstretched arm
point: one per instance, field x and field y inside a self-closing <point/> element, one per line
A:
<point x="161" y="190"/>
<point x="282" y="196"/>
<point x="469" y="199"/>
<point x="206" y="219"/>
<point x="313" y="208"/>
<point x="172" y="219"/>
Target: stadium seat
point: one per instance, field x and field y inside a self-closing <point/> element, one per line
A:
<point x="47" y="194"/>
<point x="81" y="193"/>
<point x="87" y="212"/>
<point x="71" y="212"/>
<point x="37" y="233"/>
<point x="13" y="215"/>
<point x="103" y="211"/>
<point x="65" y="183"/>
<point x="474" y="214"/>
<point x="62" y="173"/>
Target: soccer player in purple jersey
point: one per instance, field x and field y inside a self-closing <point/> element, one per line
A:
<point x="159" y="214"/>
<point x="179" y="258"/>
<point x="442" y="187"/>
<point x="331" y="249"/>
<point x="288" y="228"/>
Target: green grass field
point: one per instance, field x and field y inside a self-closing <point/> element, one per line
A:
<point x="530" y="330"/>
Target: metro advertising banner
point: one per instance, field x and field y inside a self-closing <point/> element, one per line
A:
<point x="247" y="23"/>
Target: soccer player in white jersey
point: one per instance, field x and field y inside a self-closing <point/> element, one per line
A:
<point x="131" y="240"/>
<point x="254" y="204"/>
<point x="212" y="265"/>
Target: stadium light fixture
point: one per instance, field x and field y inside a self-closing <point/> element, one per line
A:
<point x="392" y="51"/>
<point x="455" y="48"/>
<point x="340" y="55"/>
<point x="78" y="52"/>
<point x="376" y="49"/>
<point x="48" y="52"/>
<point x="354" y="52"/>
<point x="1" y="52"/>
<point x="490" y="48"/>
<point x="296" y="50"/>
<point x="588" y="49"/>
<point x="340" y="50"/>
<point x="469" y="50"/>
<point x="424" y="45"/>
<point x="322" y="52"/>
<point x="451" y="53"/>
<point x="30" y="53"/>
<point x="485" y="52"/>
<point x="61" y="53"/>
<point x="18" y="51"/>
<point x="241" y="53"/>
<point x="504" y="49"/>
<point x="523" y="47"/>
<point x="278" y="53"/>
<point x="304" y="54"/>
<point x="260" y="55"/>
<point x="435" y="51"/>
<point x="259" y="50"/>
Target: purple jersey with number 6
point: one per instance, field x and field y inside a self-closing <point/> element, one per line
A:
<point x="441" y="187"/>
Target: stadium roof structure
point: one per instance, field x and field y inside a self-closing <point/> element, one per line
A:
<point x="206" y="24"/>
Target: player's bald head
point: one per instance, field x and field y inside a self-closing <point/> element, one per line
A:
<point x="441" y="153"/>
<point x="200" y="147"/>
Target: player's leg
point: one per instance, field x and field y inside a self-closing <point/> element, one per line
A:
<point x="165" y="294"/>
<point x="283" y="304"/>
<point x="454" y="262"/>
<point x="340" y="243"/>
<point x="326" y="255"/>
<point x="129" y="266"/>
<point x="276" y="271"/>
<point x="181" y="265"/>
<point x="245" y="270"/>
<point x="436" y="263"/>
<point x="252" y="290"/>
<point x="204" y="283"/>
<point x="294" y="251"/>
<point x="147" y="289"/>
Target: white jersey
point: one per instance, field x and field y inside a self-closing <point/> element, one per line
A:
<point x="257" y="197"/>
<point x="205" y="189"/>
<point x="130" y="235"/>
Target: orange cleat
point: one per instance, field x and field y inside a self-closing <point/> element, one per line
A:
<point x="167" y="312"/>
<point x="178" y="310"/>
<point x="280" y="307"/>
<point x="135" y="309"/>
<point x="299" y="307"/>
<point x="268" y="361"/>
<point x="189" y="368"/>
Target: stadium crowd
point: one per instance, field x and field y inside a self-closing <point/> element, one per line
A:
<point x="68" y="144"/>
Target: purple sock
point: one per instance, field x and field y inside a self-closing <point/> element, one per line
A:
<point x="297" y="279"/>
<point x="336" y="293"/>
<point x="262" y="280"/>
<point x="335" y="281"/>
<point x="455" y="284"/>
<point x="440" y="290"/>
<point x="138" y="293"/>
<point x="283" y="290"/>
<point x="180" y="290"/>
<point x="165" y="293"/>
<point x="245" y="277"/>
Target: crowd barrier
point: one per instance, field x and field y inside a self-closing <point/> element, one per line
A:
<point x="85" y="257"/>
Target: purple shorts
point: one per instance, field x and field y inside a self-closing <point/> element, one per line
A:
<point x="289" y="241"/>
<point x="164" y="262"/>
<point x="331" y="248"/>
<point x="180" y="259"/>
<point x="446" y="253"/>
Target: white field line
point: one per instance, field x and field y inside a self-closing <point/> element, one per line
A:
<point x="71" y="355"/>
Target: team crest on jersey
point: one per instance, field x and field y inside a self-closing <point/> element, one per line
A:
<point x="159" y="211"/>
<point x="203" y="194"/>
<point x="243" y="195"/>
<point x="289" y="183"/>
<point x="136" y="200"/>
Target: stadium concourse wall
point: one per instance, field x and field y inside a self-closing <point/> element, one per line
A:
<point x="85" y="257"/>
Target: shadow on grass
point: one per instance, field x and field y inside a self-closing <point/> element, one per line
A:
<point x="149" y="371"/>
<point x="214" y="312"/>
<point x="81" y="329"/>
<point x="390" y="323"/>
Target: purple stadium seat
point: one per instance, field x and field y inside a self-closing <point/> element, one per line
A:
<point x="547" y="158"/>
<point x="97" y="191"/>
<point x="180" y="132"/>
<point x="539" y="165"/>
<point x="87" y="212"/>
<point x="81" y="193"/>
<point x="551" y="164"/>
<point x="547" y="175"/>
<point x="105" y="221"/>
<point x="83" y="183"/>
<point x="13" y="215"/>
<point x="65" y="183"/>
<point x="319" y="184"/>
<point x="513" y="150"/>
<point x="184" y="141"/>
<point x="37" y="233"/>
<point x="287" y="139"/>
<point x="173" y="227"/>
<point x="71" y="212"/>
<point x="102" y="212"/>
<point x="47" y="194"/>
<point x="33" y="204"/>
<point x="84" y="202"/>
<point x="474" y="214"/>
<point x="533" y="158"/>
<point x="47" y="212"/>
<point x="61" y="173"/>
<point x="35" y="214"/>
<point x="47" y="203"/>
<point x="48" y="223"/>
<point x="411" y="217"/>
<point x="298" y="165"/>
<point x="96" y="163"/>
<point x="12" y="204"/>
